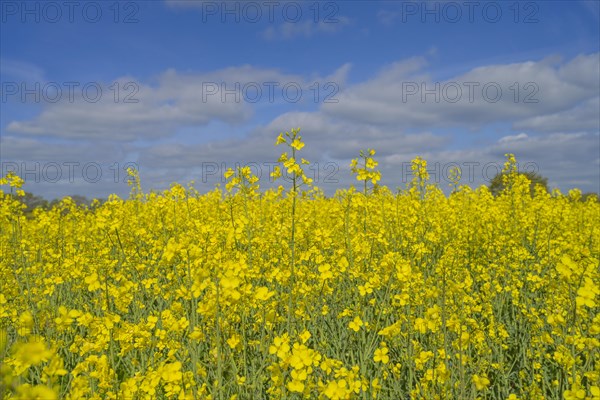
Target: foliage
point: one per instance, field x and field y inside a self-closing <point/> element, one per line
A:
<point x="497" y="182"/>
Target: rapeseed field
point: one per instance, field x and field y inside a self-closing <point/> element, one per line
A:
<point x="245" y="293"/>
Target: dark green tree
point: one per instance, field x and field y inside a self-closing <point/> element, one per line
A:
<point x="497" y="184"/>
<point x="588" y="195"/>
<point x="77" y="199"/>
<point x="32" y="201"/>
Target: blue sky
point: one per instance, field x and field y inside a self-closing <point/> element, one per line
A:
<point x="374" y="59"/>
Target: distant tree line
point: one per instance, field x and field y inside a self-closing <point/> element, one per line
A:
<point x="497" y="185"/>
<point x="32" y="201"/>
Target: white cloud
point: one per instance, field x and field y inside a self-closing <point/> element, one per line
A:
<point x="387" y="17"/>
<point x="568" y="160"/>
<point x="306" y="29"/>
<point x="34" y="149"/>
<point x="405" y="94"/>
<point x="584" y="116"/>
<point x="20" y="70"/>
<point x="593" y="7"/>
<point x="513" y="138"/>
<point x="566" y="94"/>
<point x="158" y="112"/>
<point x="173" y="101"/>
<point x="559" y="134"/>
<point x="186" y="3"/>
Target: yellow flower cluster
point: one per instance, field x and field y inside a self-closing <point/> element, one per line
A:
<point x="286" y="293"/>
<point x="366" y="172"/>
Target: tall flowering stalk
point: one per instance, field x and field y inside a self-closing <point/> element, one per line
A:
<point x="294" y="142"/>
<point x="420" y="176"/>
<point x="366" y="172"/>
